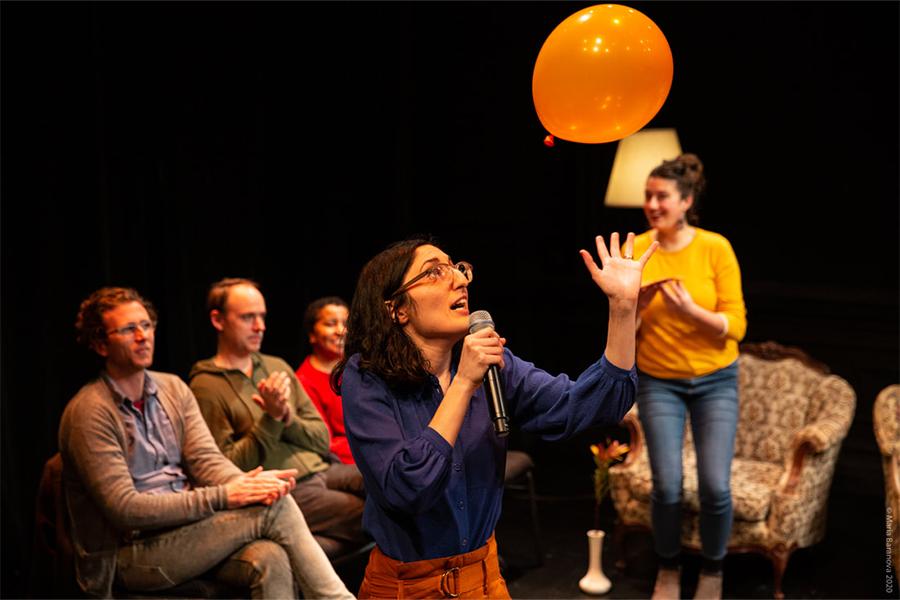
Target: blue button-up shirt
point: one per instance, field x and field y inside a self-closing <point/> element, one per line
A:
<point x="154" y="452"/>
<point x="428" y="499"/>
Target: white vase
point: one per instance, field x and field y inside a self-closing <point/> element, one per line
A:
<point x="595" y="582"/>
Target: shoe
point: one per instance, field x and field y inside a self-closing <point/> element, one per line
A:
<point x="709" y="587"/>
<point x="668" y="585"/>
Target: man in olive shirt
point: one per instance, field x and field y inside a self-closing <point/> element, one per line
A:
<point x="259" y="414"/>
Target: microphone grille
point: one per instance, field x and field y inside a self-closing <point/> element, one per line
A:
<point x="480" y="319"/>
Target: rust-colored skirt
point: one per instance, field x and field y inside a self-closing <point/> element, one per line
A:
<point x="475" y="574"/>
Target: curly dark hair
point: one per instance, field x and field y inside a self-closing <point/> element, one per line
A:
<point x="89" y="322"/>
<point x="311" y="314"/>
<point x="372" y="330"/>
<point x="687" y="172"/>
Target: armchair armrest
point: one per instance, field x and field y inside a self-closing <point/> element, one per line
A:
<point x="798" y="457"/>
<point x="799" y="501"/>
<point x="886" y="420"/>
<point x="635" y="436"/>
<point x="837" y="403"/>
<point x="818" y="436"/>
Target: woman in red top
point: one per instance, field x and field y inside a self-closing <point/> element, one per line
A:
<point x="325" y="323"/>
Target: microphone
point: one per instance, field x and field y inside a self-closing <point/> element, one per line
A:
<point x="478" y="320"/>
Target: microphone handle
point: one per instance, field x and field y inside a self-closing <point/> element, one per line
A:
<point x="496" y="406"/>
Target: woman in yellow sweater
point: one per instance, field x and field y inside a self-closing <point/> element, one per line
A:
<point x="691" y="317"/>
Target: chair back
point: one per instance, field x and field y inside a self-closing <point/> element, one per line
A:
<point x="53" y="564"/>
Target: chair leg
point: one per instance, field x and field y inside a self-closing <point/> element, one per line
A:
<point x="535" y="524"/>
<point x="779" y="556"/>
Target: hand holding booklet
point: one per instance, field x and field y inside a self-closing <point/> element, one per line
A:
<point x="649" y="290"/>
<point x="658" y="283"/>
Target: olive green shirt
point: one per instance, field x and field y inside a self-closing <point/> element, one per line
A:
<point x="245" y="432"/>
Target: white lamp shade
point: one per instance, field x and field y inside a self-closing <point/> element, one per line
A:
<point x="636" y="156"/>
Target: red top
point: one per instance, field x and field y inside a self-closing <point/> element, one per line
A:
<point x="318" y="385"/>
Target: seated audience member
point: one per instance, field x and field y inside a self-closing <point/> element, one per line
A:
<point x="325" y="324"/>
<point x="152" y="500"/>
<point x="258" y="413"/>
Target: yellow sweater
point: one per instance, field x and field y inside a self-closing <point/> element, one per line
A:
<point x="669" y="345"/>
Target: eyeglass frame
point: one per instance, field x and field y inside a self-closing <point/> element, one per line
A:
<point x="146" y="326"/>
<point x="468" y="273"/>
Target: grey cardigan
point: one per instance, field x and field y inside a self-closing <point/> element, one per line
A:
<point x="102" y="503"/>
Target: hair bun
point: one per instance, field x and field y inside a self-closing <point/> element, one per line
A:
<point x="691" y="162"/>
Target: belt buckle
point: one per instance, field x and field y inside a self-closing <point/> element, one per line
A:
<point x="445" y="588"/>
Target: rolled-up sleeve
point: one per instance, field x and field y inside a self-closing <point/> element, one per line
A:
<point x="403" y="472"/>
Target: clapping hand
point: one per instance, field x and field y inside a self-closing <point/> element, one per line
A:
<point x="274" y="395"/>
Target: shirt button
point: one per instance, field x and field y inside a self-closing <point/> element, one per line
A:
<point x="457" y="466"/>
<point x="460" y="504"/>
<point x="465" y="541"/>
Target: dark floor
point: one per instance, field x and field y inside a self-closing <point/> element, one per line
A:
<point x="849" y="563"/>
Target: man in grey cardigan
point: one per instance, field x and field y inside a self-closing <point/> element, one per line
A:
<point x="151" y="500"/>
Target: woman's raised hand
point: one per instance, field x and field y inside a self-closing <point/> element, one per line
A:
<point x="620" y="276"/>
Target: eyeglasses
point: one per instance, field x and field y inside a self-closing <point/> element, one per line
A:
<point x="132" y="328"/>
<point x="437" y="273"/>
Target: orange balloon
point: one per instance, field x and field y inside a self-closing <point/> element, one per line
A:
<point x="601" y="75"/>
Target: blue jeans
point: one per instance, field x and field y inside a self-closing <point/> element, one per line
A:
<point x="268" y="548"/>
<point x="713" y="404"/>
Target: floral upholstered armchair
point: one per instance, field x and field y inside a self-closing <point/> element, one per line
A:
<point x="886" y="421"/>
<point x="793" y="418"/>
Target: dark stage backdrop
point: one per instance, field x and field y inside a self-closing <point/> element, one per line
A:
<point x="165" y="145"/>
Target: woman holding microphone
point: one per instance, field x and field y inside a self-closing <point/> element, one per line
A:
<point x="418" y="421"/>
